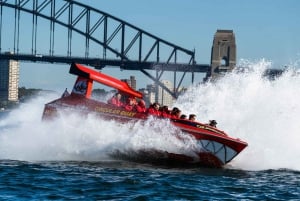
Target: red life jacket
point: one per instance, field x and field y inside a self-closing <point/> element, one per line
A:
<point x="165" y="114"/>
<point x="153" y="111"/>
<point x="140" y="108"/>
<point x="115" y="101"/>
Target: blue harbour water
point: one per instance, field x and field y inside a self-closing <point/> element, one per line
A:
<point x="130" y="181"/>
<point x="69" y="158"/>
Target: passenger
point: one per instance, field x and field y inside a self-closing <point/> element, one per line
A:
<point x="116" y="100"/>
<point x="192" y="117"/>
<point x="141" y="106"/>
<point x="183" y="116"/>
<point x="213" y="123"/>
<point x="165" y="112"/>
<point x="154" y="110"/>
<point x="178" y="114"/>
<point x="175" y="113"/>
<point x="131" y="103"/>
<point x="174" y="110"/>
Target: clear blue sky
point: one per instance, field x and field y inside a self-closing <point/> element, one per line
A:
<point x="263" y="28"/>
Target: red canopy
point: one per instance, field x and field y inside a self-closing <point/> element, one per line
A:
<point x="104" y="79"/>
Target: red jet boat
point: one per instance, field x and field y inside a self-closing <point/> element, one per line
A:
<point x="216" y="147"/>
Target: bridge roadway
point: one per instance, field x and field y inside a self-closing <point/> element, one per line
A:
<point x="101" y="63"/>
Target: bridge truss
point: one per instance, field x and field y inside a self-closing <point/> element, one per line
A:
<point x="33" y="30"/>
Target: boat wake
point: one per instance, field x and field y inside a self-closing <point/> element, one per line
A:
<point x="70" y="137"/>
<point x="262" y="112"/>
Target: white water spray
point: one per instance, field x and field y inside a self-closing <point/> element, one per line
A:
<point x="261" y="112"/>
<point x="23" y="136"/>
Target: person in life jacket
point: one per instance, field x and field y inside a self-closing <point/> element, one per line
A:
<point x="175" y="113"/>
<point x="192" y="117"/>
<point x="165" y="112"/>
<point x="130" y="104"/>
<point x="213" y="123"/>
<point x="116" y="100"/>
<point x="183" y="116"/>
<point x="141" y="106"/>
<point x="154" y="110"/>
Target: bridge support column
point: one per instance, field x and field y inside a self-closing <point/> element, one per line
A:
<point x="223" y="53"/>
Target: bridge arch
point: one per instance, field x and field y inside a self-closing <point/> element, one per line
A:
<point x="86" y="21"/>
<point x="116" y="42"/>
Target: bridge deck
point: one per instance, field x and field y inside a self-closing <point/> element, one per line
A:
<point x="101" y="63"/>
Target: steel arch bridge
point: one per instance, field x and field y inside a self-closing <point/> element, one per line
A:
<point x="32" y="30"/>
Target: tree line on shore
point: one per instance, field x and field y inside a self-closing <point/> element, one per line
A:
<point x="23" y="95"/>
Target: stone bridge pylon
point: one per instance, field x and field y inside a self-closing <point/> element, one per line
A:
<point x="223" y="53"/>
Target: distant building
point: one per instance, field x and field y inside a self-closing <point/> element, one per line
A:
<point x="164" y="98"/>
<point x="131" y="82"/>
<point x="151" y="93"/>
<point x="9" y="80"/>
